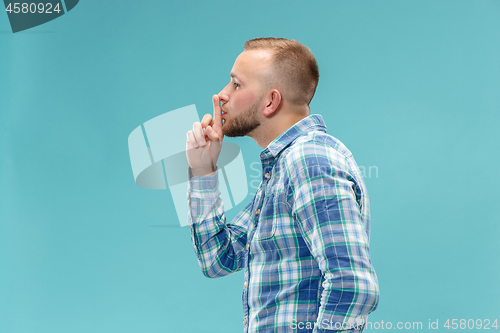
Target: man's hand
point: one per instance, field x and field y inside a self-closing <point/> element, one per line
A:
<point x="204" y="142"/>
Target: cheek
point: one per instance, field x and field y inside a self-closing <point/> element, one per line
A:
<point x="244" y="99"/>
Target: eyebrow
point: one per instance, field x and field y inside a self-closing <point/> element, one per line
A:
<point x="234" y="76"/>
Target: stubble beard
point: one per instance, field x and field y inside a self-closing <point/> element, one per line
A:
<point x="242" y="124"/>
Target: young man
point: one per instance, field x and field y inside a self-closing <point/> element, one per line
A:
<point x="303" y="241"/>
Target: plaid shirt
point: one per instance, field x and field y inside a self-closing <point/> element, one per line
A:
<point x="303" y="241"/>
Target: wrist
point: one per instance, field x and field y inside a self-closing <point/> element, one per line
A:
<point x="202" y="172"/>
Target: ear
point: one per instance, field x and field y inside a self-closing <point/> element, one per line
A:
<point x="274" y="100"/>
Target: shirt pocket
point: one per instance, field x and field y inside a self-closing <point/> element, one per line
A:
<point x="266" y="223"/>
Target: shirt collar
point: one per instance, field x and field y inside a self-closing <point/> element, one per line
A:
<point x="313" y="122"/>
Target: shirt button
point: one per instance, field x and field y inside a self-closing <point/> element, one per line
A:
<point x="244" y="321"/>
<point x="248" y="246"/>
<point x="245" y="284"/>
<point x="257" y="211"/>
<point x="267" y="175"/>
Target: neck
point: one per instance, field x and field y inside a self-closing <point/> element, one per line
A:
<point x="278" y="122"/>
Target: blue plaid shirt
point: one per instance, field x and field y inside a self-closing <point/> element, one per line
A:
<point x="302" y="242"/>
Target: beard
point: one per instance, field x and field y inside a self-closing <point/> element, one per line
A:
<point x="243" y="123"/>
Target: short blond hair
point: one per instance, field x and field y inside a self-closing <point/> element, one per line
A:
<point x="294" y="67"/>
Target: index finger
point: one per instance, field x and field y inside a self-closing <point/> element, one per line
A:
<point x="217" y="126"/>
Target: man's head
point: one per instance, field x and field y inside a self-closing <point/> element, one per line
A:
<point x="293" y="69"/>
<point x="271" y="76"/>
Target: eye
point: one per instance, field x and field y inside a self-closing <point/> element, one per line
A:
<point x="236" y="85"/>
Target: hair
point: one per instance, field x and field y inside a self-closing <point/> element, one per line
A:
<point x="294" y="67"/>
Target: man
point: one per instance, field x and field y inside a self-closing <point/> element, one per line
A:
<point x="303" y="241"/>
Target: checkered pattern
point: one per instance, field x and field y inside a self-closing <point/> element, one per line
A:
<point x="303" y="241"/>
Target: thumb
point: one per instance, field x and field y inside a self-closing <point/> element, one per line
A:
<point x="212" y="135"/>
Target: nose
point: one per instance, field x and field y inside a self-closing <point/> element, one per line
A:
<point x="224" y="95"/>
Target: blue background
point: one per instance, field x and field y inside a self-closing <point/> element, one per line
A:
<point x="411" y="87"/>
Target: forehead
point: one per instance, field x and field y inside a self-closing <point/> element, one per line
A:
<point x="251" y="63"/>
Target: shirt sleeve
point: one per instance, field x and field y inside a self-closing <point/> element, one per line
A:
<point x="326" y="209"/>
<point x="219" y="246"/>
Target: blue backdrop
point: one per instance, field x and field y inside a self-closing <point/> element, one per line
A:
<point x="411" y="87"/>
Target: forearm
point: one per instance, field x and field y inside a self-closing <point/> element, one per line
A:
<point x="350" y="287"/>
<point x="349" y="294"/>
<point x="217" y="245"/>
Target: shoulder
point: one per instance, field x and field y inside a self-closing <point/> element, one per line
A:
<point x="314" y="149"/>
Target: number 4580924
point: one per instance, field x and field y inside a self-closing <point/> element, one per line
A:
<point x="471" y="324"/>
<point x="32" y="8"/>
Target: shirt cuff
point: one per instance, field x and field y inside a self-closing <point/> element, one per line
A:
<point x="203" y="193"/>
<point x="202" y="184"/>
